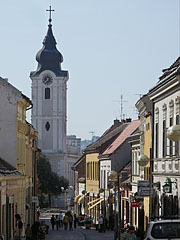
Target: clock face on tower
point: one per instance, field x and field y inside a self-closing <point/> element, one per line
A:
<point x="47" y="79"/>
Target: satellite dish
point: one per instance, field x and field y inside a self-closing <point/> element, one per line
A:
<point x="143" y="160"/>
<point x="173" y="133"/>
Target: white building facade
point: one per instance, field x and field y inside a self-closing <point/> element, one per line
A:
<point x="166" y="156"/>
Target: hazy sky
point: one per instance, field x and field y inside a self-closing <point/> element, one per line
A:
<point x="110" y="47"/>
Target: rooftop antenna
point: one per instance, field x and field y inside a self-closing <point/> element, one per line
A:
<point x="139" y="94"/>
<point x="121" y="101"/>
<point x="92" y="132"/>
<point x="135" y="111"/>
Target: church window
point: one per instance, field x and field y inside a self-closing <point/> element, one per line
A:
<point x="47" y="93"/>
<point x="47" y="126"/>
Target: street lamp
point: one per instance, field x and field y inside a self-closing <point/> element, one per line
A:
<point x="114" y="177"/>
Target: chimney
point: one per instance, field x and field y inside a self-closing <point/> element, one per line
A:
<point x="128" y="119"/>
<point x="116" y="122"/>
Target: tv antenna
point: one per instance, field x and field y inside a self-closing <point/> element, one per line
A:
<point x="121" y="101"/>
<point x="92" y="132"/>
<point x="139" y="94"/>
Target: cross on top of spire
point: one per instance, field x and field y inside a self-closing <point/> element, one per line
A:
<point x="50" y="10"/>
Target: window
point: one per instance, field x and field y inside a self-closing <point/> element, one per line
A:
<point x="170" y="142"/>
<point x="157" y="139"/>
<point x="47" y="126"/>
<point x="164" y="138"/>
<point x="47" y="93"/>
<point x="177" y="143"/>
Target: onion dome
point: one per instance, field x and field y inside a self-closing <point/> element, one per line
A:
<point x="48" y="57"/>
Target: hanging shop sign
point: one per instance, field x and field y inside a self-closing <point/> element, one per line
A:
<point x="134" y="204"/>
<point x="143" y="188"/>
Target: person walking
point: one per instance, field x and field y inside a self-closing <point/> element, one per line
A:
<point x="19" y="227"/>
<point x="70" y="218"/>
<point x="28" y="232"/>
<point x="60" y="217"/>
<point x="65" y="221"/>
<point x="35" y="229"/>
<point x="53" y="222"/>
<point x="57" y="222"/>
<point x="75" y="221"/>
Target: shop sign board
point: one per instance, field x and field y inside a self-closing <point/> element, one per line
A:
<point x="134" y="204"/>
<point x="143" y="188"/>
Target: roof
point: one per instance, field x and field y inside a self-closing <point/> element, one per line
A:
<point x="122" y="137"/>
<point x="109" y="135"/>
<point x="48" y="57"/>
<point x="82" y="158"/>
<point x="171" y="69"/>
<point x="7" y="169"/>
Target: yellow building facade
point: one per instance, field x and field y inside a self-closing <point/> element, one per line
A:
<point x="92" y="184"/>
<point x="26" y="163"/>
<point x="147" y="149"/>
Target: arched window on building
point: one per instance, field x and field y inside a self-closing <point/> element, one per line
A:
<point x="47" y="93"/>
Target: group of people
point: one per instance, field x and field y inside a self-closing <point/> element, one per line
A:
<point x="35" y="232"/>
<point x="61" y="221"/>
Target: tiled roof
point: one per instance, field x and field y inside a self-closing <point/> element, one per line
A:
<point x="171" y="69"/>
<point x="107" y="136"/>
<point x="6" y="169"/>
<point x="122" y="137"/>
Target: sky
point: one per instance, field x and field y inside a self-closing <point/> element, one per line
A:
<point x="110" y="48"/>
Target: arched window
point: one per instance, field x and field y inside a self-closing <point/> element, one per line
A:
<point x="47" y="126"/>
<point x="47" y="93"/>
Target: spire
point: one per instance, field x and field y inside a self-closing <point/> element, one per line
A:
<point x="50" y="10"/>
<point x="48" y="57"/>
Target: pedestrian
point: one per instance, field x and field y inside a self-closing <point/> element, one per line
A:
<point x="130" y="235"/>
<point x="19" y="227"/>
<point x="70" y="219"/>
<point x="28" y="232"/>
<point x="60" y="217"/>
<point x="53" y="222"/>
<point x="65" y="221"/>
<point x="42" y="231"/>
<point x="35" y="228"/>
<point x="100" y="222"/>
<point x="57" y="222"/>
<point x="75" y="221"/>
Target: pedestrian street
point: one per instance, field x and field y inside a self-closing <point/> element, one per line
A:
<point x="79" y="234"/>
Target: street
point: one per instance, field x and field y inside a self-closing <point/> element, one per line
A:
<point x="79" y="234"/>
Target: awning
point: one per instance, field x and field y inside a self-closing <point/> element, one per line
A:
<point x="102" y="199"/>
<point x="77" y="198"/>
<point x="95" y="200"/>
<point x="81" y="199"/>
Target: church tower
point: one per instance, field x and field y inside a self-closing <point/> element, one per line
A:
<point x="49" y="86"/>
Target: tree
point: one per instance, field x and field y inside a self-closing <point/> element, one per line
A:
<point x="50" y="182"/>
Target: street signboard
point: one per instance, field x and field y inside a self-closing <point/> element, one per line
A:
<point x="134" y="204"/>
<point x="34" y="199"/>
<point x="143" y="188"/>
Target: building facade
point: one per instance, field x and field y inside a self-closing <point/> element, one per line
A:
<point x="49" y="88"/>
<point x="166" y="163"/>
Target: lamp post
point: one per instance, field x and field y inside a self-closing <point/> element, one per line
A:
<point x="65" y="191"/>
<point x="114" y="177"/>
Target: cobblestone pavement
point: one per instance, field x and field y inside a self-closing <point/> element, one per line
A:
<point x="79" y="234"/>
